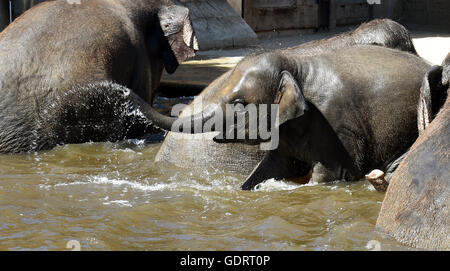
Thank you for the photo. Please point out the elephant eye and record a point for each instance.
(239, 101)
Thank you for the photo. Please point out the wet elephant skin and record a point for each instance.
(343, 113)
(415, 210)
(199, 150)
(57, 47)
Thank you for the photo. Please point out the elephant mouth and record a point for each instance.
(220, 140)
(229, 135)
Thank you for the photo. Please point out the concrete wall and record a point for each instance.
(352, 13)
(217, 25)
(236, 5)
(431, 12)
(416, 12)
(387, 9)
(268, 15)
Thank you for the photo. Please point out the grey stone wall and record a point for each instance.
(269, 15)
(352, 13)
(217, 25)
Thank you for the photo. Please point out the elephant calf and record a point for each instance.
(198, 150)
(58, 48)
(416, 208)
(341, 114)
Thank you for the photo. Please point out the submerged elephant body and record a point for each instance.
(199, 150)
(416, 208)
(59, 45)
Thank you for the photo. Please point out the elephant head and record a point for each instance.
(169, 39)
(325, 107)
(172, 36)
(262, 84)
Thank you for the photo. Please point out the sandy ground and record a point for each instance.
(208, 65)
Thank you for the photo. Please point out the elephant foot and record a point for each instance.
(376, 178)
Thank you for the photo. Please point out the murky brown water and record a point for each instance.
(112, 196)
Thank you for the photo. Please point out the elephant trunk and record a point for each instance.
(173, 124)
(189, 123)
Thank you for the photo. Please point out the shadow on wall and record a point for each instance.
(20, 6)
(4, 14)
(192, 77)
(425, 14)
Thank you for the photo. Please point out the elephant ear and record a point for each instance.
(292, 103)
(432, 97)
(180, 40)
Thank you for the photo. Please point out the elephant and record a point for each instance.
(381, 32)
(341, 114)
(433, 95)
(64, 46)
(100, 111)
(198, 150)
(416, 207)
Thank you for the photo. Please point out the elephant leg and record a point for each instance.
(322, 174)
(275, 165)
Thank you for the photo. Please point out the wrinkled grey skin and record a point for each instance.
(56, 48)
(200, 151)
(341, 114)
(416, 208)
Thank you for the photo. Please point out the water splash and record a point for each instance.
(271, 185)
